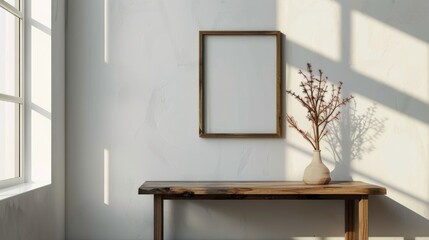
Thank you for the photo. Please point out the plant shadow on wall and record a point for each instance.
(353, 136)
(369, 35)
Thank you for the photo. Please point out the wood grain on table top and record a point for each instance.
(258, 188)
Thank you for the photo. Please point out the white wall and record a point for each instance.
(132, 92)
(40, 213)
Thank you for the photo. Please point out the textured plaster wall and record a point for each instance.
(132, 95)
(40, 213)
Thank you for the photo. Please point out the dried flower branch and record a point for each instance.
(320, 110)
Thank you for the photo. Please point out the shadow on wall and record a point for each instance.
(388, 218)
(357, 137)
(255, 219)
(20, 216)
(160, 142)
(353, 136)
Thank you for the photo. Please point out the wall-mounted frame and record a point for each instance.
(240, 75)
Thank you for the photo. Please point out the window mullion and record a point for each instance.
(17, 58)
(11, 9)
(18, 141)
(18, 96)
(8, 98)
(21, 44)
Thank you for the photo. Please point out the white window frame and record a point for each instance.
(18, 12)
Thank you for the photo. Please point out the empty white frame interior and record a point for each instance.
(240, 84)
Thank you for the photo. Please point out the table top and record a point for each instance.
(258, 188)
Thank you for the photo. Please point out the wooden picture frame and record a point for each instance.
(240, 84)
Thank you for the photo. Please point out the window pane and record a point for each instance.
(9, 145)
(13, 3)
(9, 50)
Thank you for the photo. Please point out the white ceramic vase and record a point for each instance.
(316, 172)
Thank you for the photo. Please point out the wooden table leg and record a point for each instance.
(349, 223)
(363, 217)
(158, 202)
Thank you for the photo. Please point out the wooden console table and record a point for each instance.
(350, 192)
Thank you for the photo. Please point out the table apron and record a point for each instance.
(260, 197)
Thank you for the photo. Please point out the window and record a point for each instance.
(11, 92)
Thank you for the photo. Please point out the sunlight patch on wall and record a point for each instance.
(389, 238)
(298, 156)
(421, 238)
(396, 147)
(293, 79)
(316, 26)
(389, 55)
